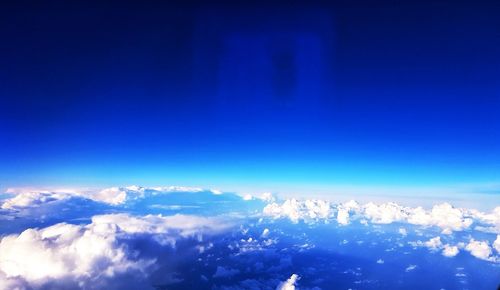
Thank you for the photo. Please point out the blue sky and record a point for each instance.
(252, 96)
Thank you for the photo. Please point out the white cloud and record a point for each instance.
(444, 215)
(289, 284)
(411, 268)
(32, 199)
(450, 251)
(343, 216)
(113, 196)
(344, 211)
(89, 253)
(434, 243)
(479, 249)
(385, 213)
(496, 244)
(380, 261)
(308, 210)
(266, 197)
(491, 220)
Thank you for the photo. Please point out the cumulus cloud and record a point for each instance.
(113, 196)
(289, 284)
(92, 253)
(444, 216)
(450, 251)
(496, 244)
(295, 210)
(479, 249)
(434, 243)
(32, 199)
(343, 217)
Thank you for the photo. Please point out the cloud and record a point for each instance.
(289, 284)
(490, 220)
(83, 255)
(496, 244)
(32, 199)
(24, 198)
(444, 216)
(383, 214)
(411, 268)
(450, 251)
(434, 243)
(479, 249)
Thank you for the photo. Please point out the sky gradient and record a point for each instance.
(254, 96)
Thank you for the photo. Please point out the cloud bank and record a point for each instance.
(112, 196)
(86, 256)
(441, 216)
(444, 216)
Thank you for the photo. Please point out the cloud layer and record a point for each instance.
(83, 254)
(442, 216)
(116, 238)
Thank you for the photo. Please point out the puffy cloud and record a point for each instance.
(343, 216)
(479, 249)
(496, 244)
(490, 220)
(434, 243)
(92, 253)
(344, 211)
(450, 251)
(411, 268)
(385, 213)
(289, 284)
(266, 197)
(444, 215)
(113, 196)
(32, 199)
(308, 210)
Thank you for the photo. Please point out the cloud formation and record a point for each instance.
(480, 249)
(24, 198)
(444, 216)
(92, 253)
(289, 284)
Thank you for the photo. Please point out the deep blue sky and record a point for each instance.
(382, 93)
